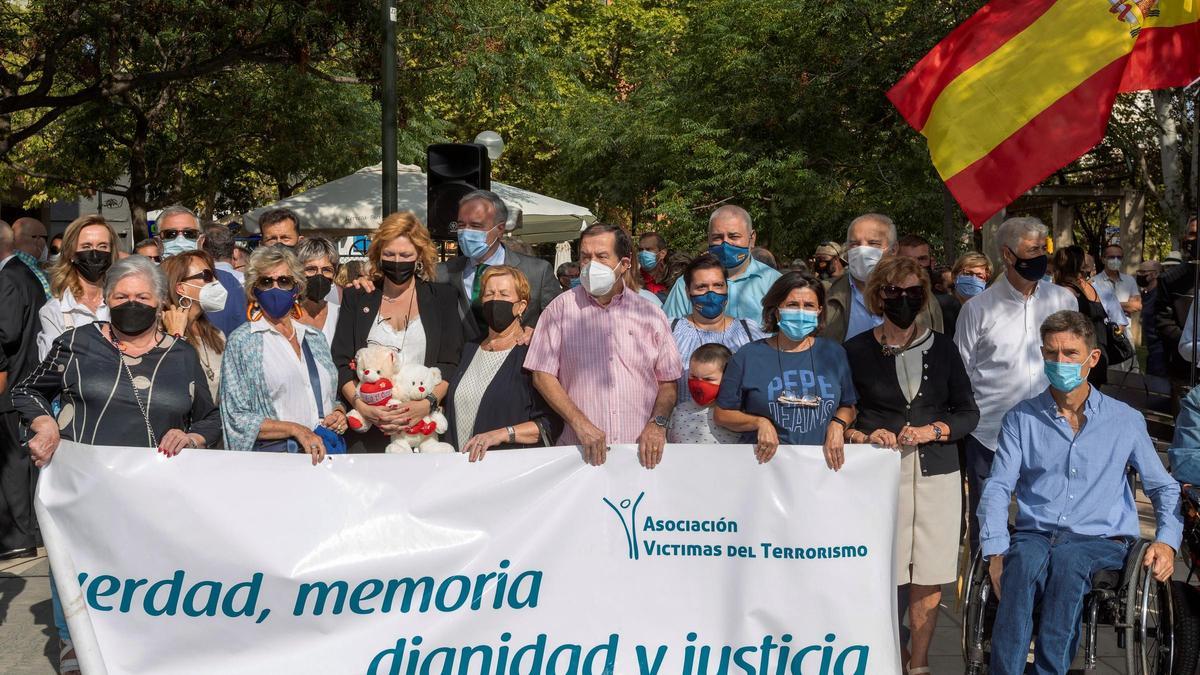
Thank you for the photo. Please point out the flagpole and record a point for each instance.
(1196, 244)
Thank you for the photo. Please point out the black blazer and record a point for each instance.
(21, 296)
(509, 400)
(437, 305)
(945, 396)
(543, 287)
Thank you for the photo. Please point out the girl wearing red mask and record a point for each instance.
(692, 420)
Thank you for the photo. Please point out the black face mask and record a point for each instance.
(398, 272)
(498, 314)
(317, 287)
(1030, 269)
(92, 264)
(133, 317)
(1143, 281)
(1189, 248)
(902, 311)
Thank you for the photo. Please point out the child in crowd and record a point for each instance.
(692, 420)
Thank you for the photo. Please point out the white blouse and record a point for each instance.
(286, 375)
(408, 344)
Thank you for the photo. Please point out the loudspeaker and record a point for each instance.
(454, 169)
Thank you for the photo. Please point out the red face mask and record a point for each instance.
(702, 392)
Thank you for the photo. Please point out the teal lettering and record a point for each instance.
(210, 605)
(171, 602)
(94, 593)
(322, 591)
(365, 591)
(646, 668)
(251, 589)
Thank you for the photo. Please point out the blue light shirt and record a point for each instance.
(861, 319)
(746, 293)
(1075, 482)
(468, 274)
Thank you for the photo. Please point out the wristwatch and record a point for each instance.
(937, 433)
(433, 402)
(661, 421)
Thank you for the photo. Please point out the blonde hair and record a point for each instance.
(266, 257)
(518, 277)
(972, 259)
(64, 275)
(890, 272)
(404, 224)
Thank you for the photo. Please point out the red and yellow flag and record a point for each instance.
(1025, 87)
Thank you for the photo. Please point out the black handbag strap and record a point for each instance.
(314, 378)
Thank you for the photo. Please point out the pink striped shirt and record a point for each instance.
(609, 360)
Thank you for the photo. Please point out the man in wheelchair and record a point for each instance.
(1063, 455)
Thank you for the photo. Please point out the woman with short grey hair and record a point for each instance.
(322, 298)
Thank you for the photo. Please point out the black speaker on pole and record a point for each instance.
(454, 169)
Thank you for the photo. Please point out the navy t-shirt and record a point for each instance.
(758, 373)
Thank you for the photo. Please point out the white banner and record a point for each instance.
(527, 563)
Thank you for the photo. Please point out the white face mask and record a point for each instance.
(212, 296)
(1113, 264)
(862, 261)
(597, 278)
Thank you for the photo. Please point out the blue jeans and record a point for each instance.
(60, 618)
(1053, 572)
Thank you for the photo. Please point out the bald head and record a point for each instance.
(6, 239)
(29, 235)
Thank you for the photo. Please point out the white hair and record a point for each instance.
(879, 218)
(137, 266)
(499, 208)
(731, 211)
(178, 210)
(1013, 230)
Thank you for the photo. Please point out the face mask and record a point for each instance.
(1189, 248)
(398, 272)
(212, 297)
(648, 260)
(1143, 281)
(702, 391)
(731, 256)
(710, 304)
(318, 287)
(1030, 269)
(498, 314)
(1064, 377)
(180, 244)
(597, 278)
(575, 281)
(275, 302)
(969, 286)
(901, 311)
(473, 243)
(133, 317)
(43, 254)
(92, 264)
(862, 261)
(1113, 264)
(797, 324)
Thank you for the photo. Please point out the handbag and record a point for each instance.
(1119, 349)
(334, 443)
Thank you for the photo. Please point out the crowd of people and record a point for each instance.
(967, 371)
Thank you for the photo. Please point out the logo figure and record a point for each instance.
(1134, 12)
(630, 525)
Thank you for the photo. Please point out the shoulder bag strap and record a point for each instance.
(314, 378)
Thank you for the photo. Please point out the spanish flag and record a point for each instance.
(1024, 87)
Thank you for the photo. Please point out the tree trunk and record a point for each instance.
(138, 177)
(1172, 202)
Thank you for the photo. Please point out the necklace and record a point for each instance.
(502, 338)
(896, 350)
(205, 361)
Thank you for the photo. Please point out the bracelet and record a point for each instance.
(840, 421)
(512, 434)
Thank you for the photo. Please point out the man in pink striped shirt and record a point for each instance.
(603, 357)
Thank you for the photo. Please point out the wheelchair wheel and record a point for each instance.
(975, 624)
(1186, 601)
(1149, 619)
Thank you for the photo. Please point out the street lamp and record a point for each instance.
(493, 142)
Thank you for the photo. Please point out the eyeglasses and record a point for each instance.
(285, 282)
(168, 235)
(911, 292)
(156, 259)
(205, 275)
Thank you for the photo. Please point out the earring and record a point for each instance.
(296, 311)
(419, 267)
(253, 312)
(183, 306)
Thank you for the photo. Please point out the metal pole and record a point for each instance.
(390, 205)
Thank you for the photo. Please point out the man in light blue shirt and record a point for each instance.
(730, 238)
(1063, 455)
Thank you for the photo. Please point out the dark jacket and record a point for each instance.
(234, 313)
(1170, 314)
(945, 396)
(437, 305)
(509, 400)
(836, 317)
(543, 287)
(21, 297)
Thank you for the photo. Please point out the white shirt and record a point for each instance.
(287, 379)
(496, 258)
(6, 259)
(692, 424)
(651, 297)
(1112, 306)
(59, 315)
(998, 335)
(1113, 293)
(229, 268)
(408, 344)
(331, 317)
(1185, 340)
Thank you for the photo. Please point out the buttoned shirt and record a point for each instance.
(468, 275)
(746, 293)
(998, 335)
(59, 315)
(228, 267)
(1124, 286)
(861, 318)
(1075, 482)
(609, 359)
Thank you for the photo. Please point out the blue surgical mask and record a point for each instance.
(180, 244)
(275, 302)
(798, 324)
(575, 281)
(710, 304)
(730, 256)
(1064, 376)
(473, 243)
(648, 259)
(968, 286)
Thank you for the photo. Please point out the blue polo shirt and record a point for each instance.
(745, 294)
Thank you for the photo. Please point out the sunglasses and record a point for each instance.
(911, 293)
(168, 235)
(205, 275)
(284, 282)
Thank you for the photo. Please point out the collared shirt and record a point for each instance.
(746, 293)
(32, 263)
(610, 360)
(468, 278)
(1076, 483)
(228, 267)
(1111, 297)
(998, 335)
(4, 260)
(1185, 339)
(861, 319)
(286, 375)
(59, 315)
(1124, 286)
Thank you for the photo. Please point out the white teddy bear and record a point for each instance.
(414, 382)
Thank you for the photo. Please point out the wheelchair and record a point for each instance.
(1130, 601)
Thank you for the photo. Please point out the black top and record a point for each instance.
(945, 396)
(1094, 310)
(509, 400)
(21, 296)
(950, 309)
(99, 406)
